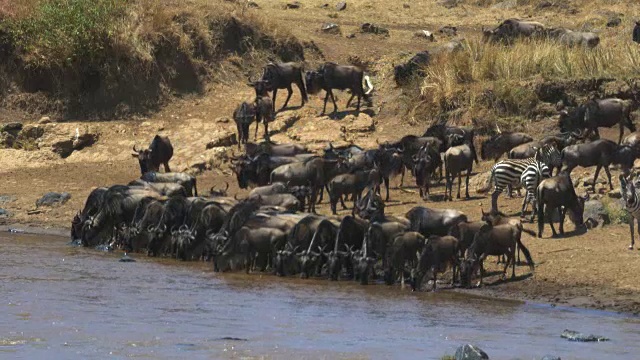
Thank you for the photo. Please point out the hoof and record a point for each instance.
(631, 247)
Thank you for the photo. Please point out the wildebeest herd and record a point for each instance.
(276, 227)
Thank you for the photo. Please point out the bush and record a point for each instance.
(62, 31)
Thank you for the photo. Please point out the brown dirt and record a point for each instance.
(592, 270)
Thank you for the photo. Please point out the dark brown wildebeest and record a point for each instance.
(636, 32)
(597, 113)
(434, 221)
(496, 241)
(458, 159)
(408, 146)
(243, 116)
(424, 165)
(438, 253)
(187, 181)
(281, 76)
(497, 145)
(498, 218)
(263, 107)
(352, 183)
(160, 151)
(414, 66)
(465, 232)
(340, 77)
(558, 193)
(271, 148)
(511, 29)
(600, 153)
(402, 249)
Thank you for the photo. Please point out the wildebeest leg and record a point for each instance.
(550, 216)
(467, 183)
(606, 170)
(273, 101)
(335, 105)
(595, 177)
(525, 203)
(446, 186)
(266, 130)
(621, 132)
(459, 183)
(402, 169)
(386, 185)
(563, 213)
(255, 136)
(358, 107)
(631, 231)
(433, 269)
(350, 99)
(286, 102)
(326, 98)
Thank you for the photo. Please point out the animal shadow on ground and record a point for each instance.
(508, 279)
(581, 230)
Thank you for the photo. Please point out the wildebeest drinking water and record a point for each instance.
(160, 151)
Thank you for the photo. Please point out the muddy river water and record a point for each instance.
(62, 302)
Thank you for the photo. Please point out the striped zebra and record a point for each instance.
(631, 199)
(530, 179)
(507, 173)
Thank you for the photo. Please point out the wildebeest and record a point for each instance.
(410, 145)
(511, 29)
(281, 76)
(341, 77)
(187, 181)
(636, 32)
(402, 249)
(497, 145)
(600, 153)
(458, 159)
(434, 221)
(574, 38)
(92, 205)
(425, 163)
(353, 184)
(243, 116)
(264, 114)
(285, 201)
(597, 113)
(167, 189)
(436, 256)
(496, 241)
(272, 189)
(414, 66)
(558, 193)
(160, 151)
(271, 148)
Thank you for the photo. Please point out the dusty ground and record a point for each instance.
(593, 270)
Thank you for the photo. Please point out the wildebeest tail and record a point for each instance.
(540, 197)
(303, 88)
(527, 254)
(530, 232)
(628, 108)
(487, 184)
(368, 84)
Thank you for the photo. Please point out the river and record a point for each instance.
(63, 302)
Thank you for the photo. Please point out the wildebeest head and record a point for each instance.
(576, 212)
(308, 261)
(468, 267)
(245, 171)
(262, 87)
(144, 158)
(315, 81)
(286, 261)
(76, 227)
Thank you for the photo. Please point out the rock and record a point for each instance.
(505, 5)
(478, 182)
(449, 4)
(595, 214)
(550, 357)
(13, 128)
(614, 21)
(293, 5)
(65, 146)
(373, 29)
(324, 6)
(406, 6)
(224, 120)
(351, 36)
(84, 140)
(253, 4)
(224, 140)
(5, 199)
(7, 140)
(44, 120)
(470, 352)
(577, 336)
(331, 28)
(544, 4)
(615, 194)
(4, 213)
(363, 123)
(31, 132)
(126, 258)
(448, 30)
(53, 199)
(341, 5)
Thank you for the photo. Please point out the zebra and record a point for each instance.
(631, 199)
(530, 179)
(507, 173)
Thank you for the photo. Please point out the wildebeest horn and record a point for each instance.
(134, 148)
(164, 227)
(150, 228)
(498, 129)
(235, 196)
(212, 189)
(226, 188)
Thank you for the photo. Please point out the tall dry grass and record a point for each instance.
(493, 78)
